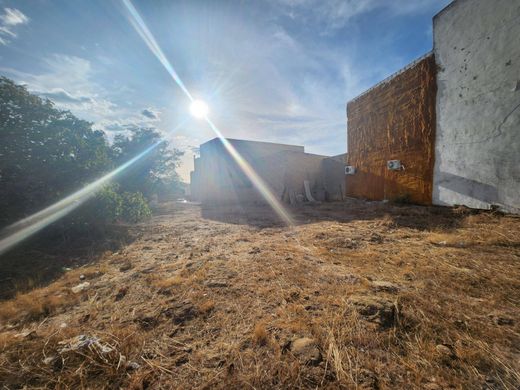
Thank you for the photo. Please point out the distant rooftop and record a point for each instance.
(237, 141)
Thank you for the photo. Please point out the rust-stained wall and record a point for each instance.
(394, 121)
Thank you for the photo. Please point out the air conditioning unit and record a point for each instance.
(349, 170)
(394, 165)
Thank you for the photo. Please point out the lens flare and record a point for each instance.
(199, 109)
(141, 28)
(28, 226)
(143, 31)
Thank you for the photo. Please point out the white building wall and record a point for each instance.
(477, 156)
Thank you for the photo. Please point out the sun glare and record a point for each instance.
(199, 109)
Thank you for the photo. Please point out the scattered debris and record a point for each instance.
(323, 314)
(80, 287)
(81, 342)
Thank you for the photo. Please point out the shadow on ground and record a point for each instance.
(45, 257)
(410, 216)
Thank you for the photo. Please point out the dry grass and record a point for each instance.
(35, 305)
(393, 297)
(260, 336)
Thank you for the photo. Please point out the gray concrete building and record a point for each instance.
(218, 178)
(477, 144)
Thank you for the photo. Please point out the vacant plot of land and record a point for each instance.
(356, 295)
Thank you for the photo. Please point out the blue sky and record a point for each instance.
(273, 70)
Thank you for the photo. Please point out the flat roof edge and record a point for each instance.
(231, 140)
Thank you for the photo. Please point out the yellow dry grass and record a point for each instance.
(393, 297)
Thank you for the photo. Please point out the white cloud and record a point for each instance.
(8, 20)
(12, 17)
(70, 82)
(150, 113)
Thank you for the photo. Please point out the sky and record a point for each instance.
(273, 70)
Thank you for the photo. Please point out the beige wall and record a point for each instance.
(283, 168)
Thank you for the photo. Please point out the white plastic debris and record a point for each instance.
(83, 341)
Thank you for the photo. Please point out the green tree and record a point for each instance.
(45, 153)
(156, 171)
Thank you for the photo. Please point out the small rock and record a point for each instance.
(132, 366)
(82, 277)
(373, 309)
(383, 286)
(377, 238)
(445, 350)
(125, 267)
(121, 293)
(306, 350)
(80, 287)
(148, 270)
(501, 319)
(505, 321)
(216, 283)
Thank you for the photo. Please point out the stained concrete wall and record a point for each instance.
(333, 177)
(477, 153)
(219, 179)
(285, 173)
(394, 120)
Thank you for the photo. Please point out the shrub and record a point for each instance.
(108, 204)
(135, 207)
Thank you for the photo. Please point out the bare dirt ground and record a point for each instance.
(356, 295)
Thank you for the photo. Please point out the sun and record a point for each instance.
(199, 109)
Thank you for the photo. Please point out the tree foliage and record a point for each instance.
(156, 169)
(47, 153)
